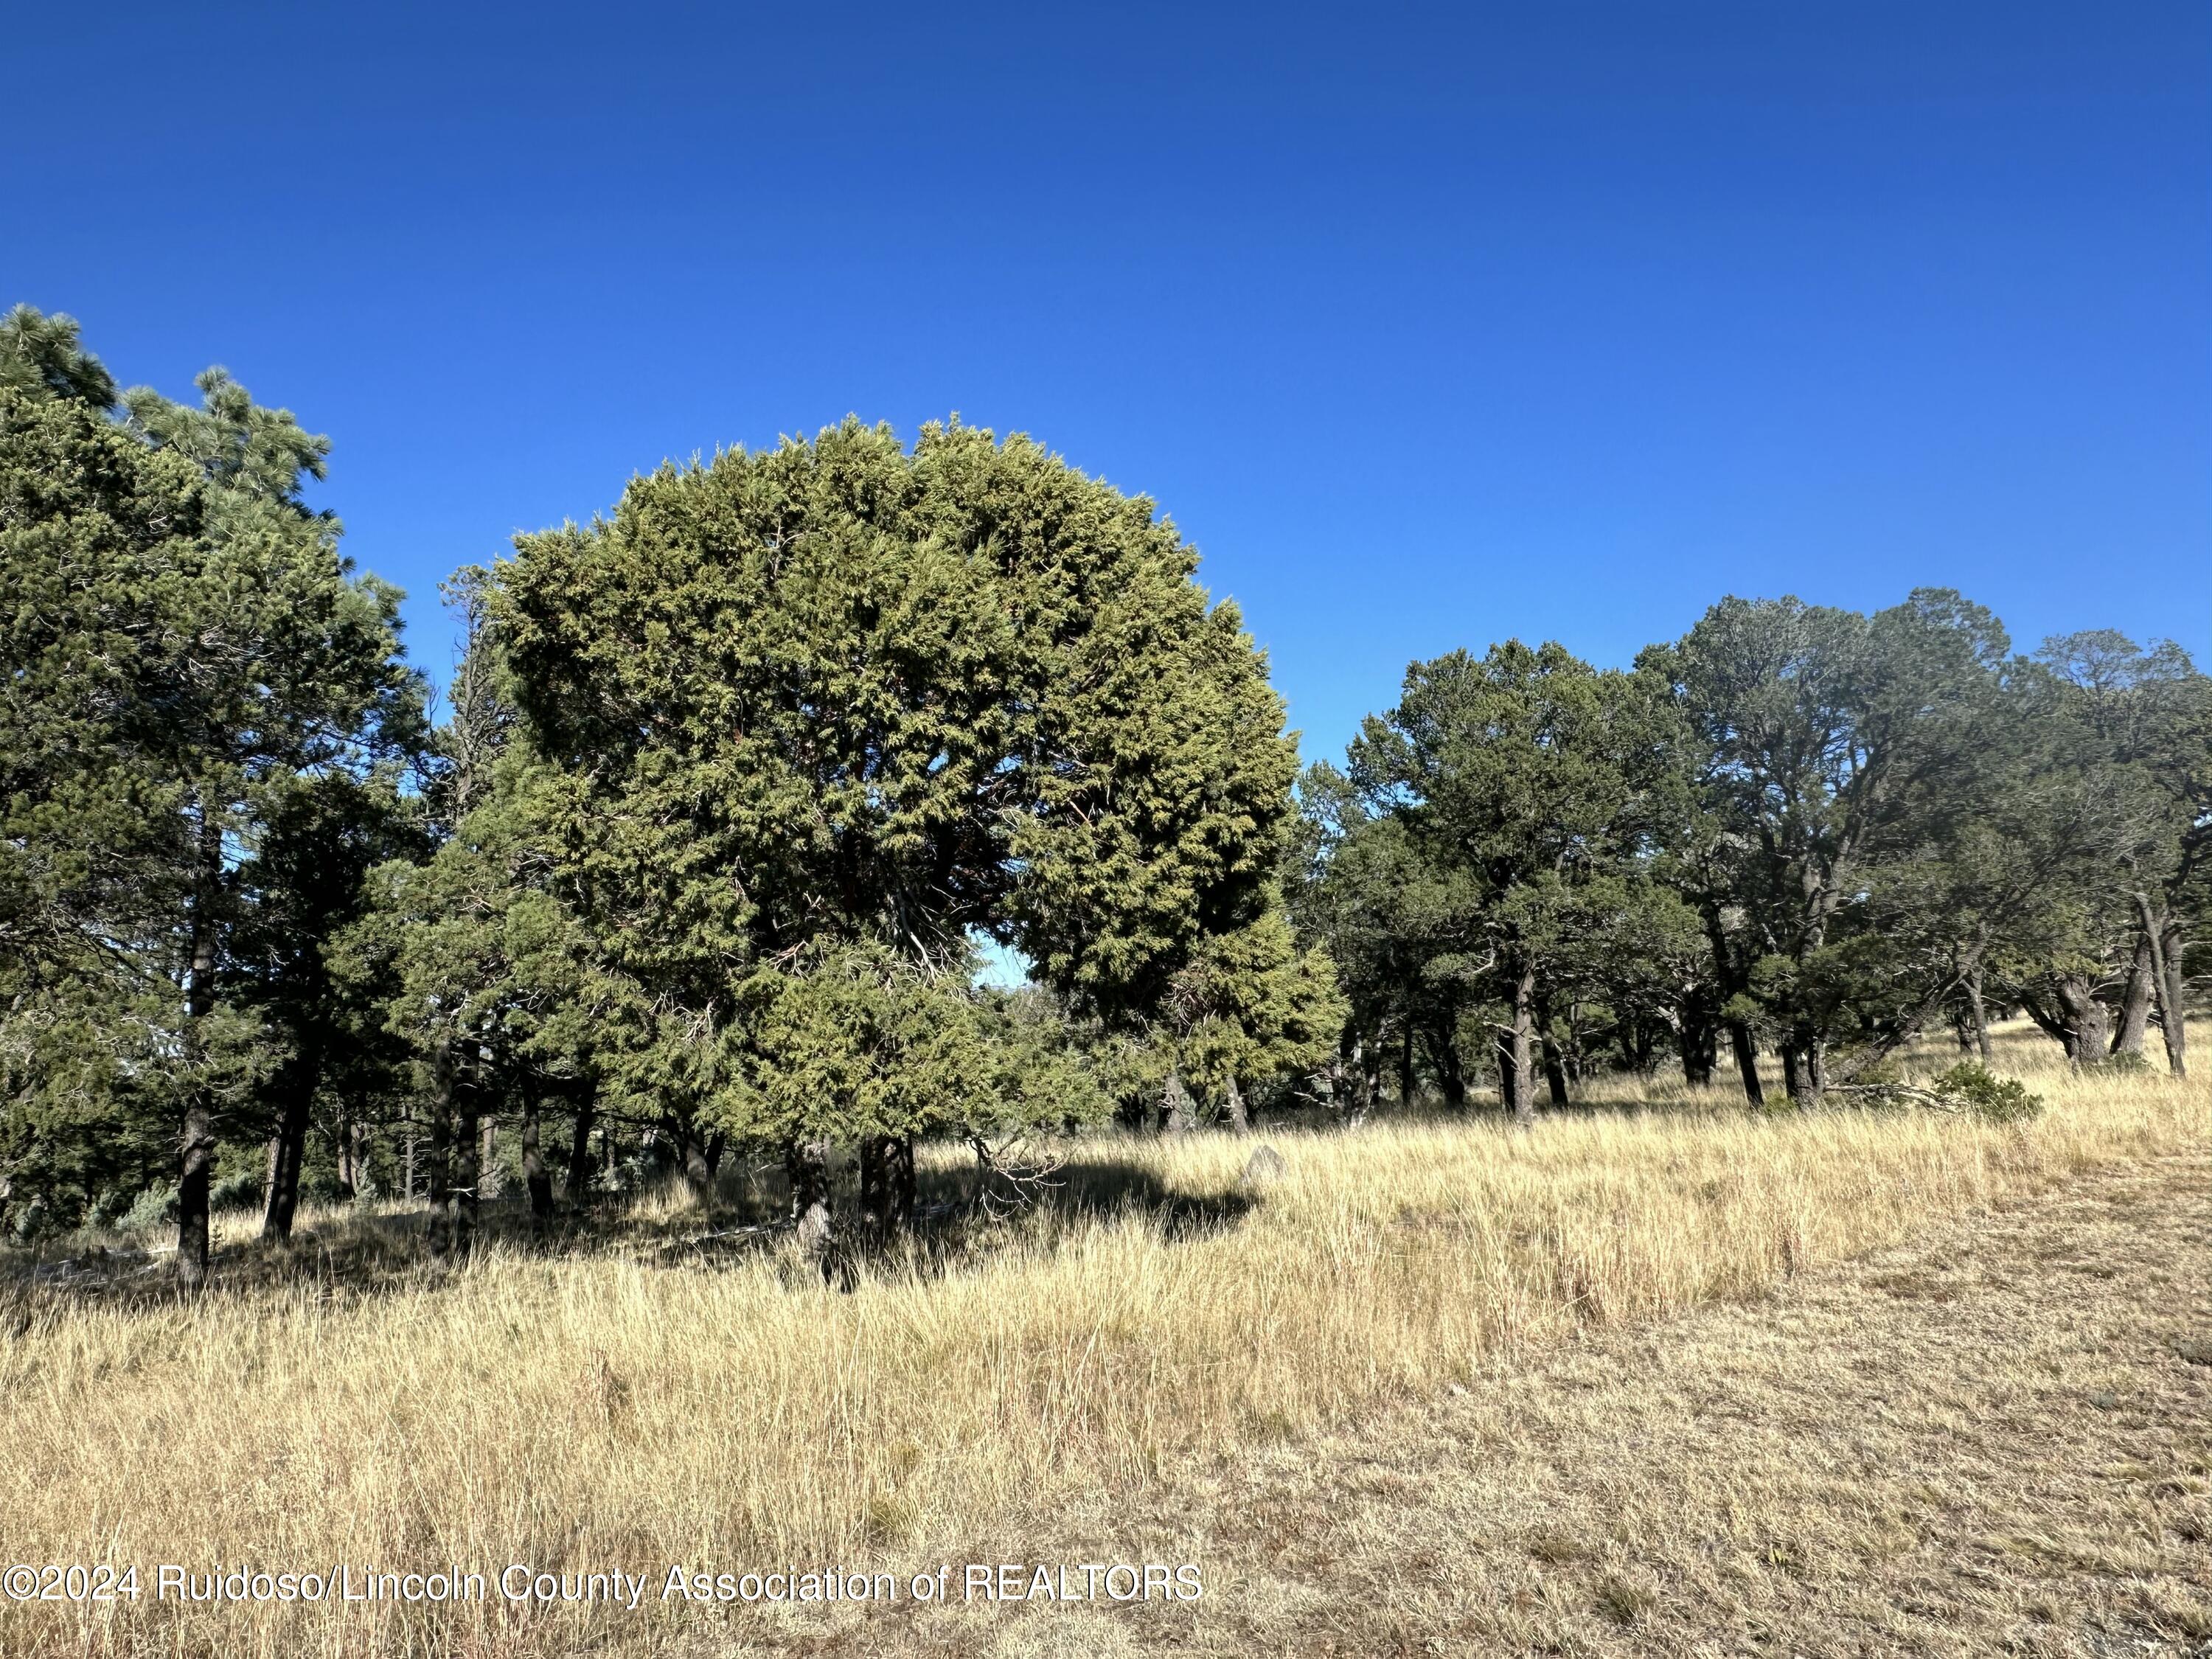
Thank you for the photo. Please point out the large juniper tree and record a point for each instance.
(817, 717)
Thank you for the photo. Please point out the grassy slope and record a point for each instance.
(587, 1410)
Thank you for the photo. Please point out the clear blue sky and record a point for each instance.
(1428, 327)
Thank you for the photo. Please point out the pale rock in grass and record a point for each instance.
(1263, 1169)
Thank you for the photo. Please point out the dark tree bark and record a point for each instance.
(580, 1095)
(1450, 1069)
(1804, 1064)
(288, 1147)
(441, 1153)
(691, 1158)
(806, 1163)
(535, 1178)
(1239, 1120)
(1746, 1049)
(1406, 1063)
(1698, 1037)
(465, 1188)
(886, 1187)
(1555, 1071)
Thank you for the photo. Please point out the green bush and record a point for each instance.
(1992, 1098)
(243, 1191)
(155, 1207)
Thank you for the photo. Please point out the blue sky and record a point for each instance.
(1428, 327)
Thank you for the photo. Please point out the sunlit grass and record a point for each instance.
(591, 1408)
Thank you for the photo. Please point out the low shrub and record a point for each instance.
(1992, 1098)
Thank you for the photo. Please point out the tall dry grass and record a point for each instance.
(584, 1412)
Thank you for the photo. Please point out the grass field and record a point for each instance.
(626, 1405)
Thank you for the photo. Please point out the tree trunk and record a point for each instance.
(407, 1164)
(1699, 1041)
(1746, 1049)
(691, 1158)
(1804, 1063)
(466, 1183)
(491, 1180)
(347, 1158)
(441, 1153)
(1978, 1014)
(1450, 1072)
(1176, 1116)
(806, 1163)
(1406, 1063)
(1238, 1119)
(1555, 1072)
(2136, 994)
(288, 1147)
(580, 1141)
(535, 1176)
(1522, 1086)
(2161, 946)
(196, 1134)
(2083, 1023)
(886, 1187)
(2172, 1010)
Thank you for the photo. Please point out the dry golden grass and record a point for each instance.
(585, 1411)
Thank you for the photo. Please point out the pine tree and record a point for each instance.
(100, 547)
(286, 667)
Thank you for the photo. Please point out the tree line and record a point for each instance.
(1797, 831)
(730, 790)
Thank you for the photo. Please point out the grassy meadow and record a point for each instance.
(651, 1396)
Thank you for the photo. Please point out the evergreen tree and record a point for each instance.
(813, 717)
(99, 546)
(285, 667)
(1538, 783)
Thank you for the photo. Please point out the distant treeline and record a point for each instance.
(730, 790)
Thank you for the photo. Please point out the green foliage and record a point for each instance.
(185, 646)
(1987, 1096)
(808, 715)
(735, 778)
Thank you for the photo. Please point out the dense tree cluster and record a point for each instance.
(1796, 831)
(735, 789)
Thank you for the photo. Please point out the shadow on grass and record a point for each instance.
(961, 1221)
